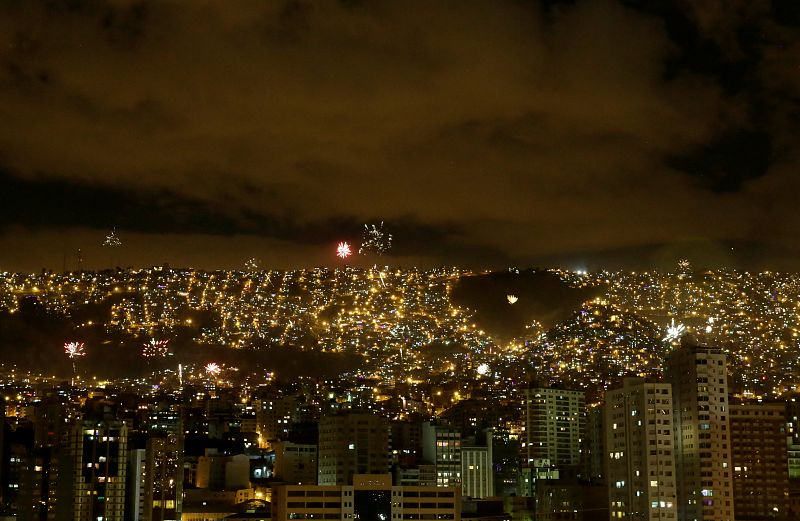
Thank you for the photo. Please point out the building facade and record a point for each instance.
(640, 454)
(295, 462)
(370, 497)
(98, 455)
(699, 379)
(441, 447)
(554, 425)
(758, 457)
(352, 443)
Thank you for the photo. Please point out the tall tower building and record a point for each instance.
(477, 472)
(594, 452)
(273, 418)
(352, 443)
(441, 447)
(702, 432)
(760, 466)
(793, 436)
(554, 424)
(164, 476)
(640, 455)
(98, 455)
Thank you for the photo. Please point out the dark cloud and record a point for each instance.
(483, 132)
(729, 160)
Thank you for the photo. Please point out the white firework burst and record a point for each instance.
(74, 349)
(674, 332)
(213, 369)
(343, 250)
(251, 265)
(155, 348)
(376, 239)
(512, 299)
(684, 264)
(111, 240)
(483, 369)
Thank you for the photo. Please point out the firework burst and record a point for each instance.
(155, 348)
(112, 241)
(512, 299)
(376, 239)
(213, 369)
(343, 250)
(74, 350)
(674, 332)
(252, 265)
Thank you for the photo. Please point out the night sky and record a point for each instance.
(488, 134)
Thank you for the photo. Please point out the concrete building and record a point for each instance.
(370, 497)
(793, 436)
(273, 418)
(441, 447)
(640, 455)
(352, 443)
(295, 463)
(477, 472)
(554, 425)
(593, 451)
(98, 457)
(219, 472)
(406, 442)
(699, 379)
(136, 485)
(164, 477)
(758, 457)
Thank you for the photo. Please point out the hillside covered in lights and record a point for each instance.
(584, 329)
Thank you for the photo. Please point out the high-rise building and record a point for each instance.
(17, 453)
(477, 472)
(640, 458)
(699, 379)
(406, 441)
(352, 443)
(97, 452)
(593, 450)
(758, 457)
(155, 468)
(164, 476)
(554, 424)
(40, 481)
(793, 436)
(273, 418)
(441, 447)
(295, 462)
(370, 497)
(136, 485)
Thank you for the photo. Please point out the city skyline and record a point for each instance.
(597, 134)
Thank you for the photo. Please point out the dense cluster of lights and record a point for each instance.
(404, 324)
